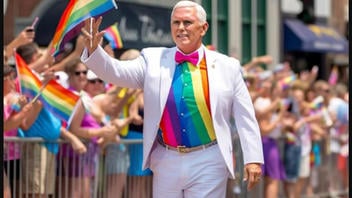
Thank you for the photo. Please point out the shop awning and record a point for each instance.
(312, 38)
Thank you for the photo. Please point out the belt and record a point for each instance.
(184, 149)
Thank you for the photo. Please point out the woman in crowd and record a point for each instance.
(270, 128)
(81, 169)
(95, 85)
(12, 121)
(109, 107)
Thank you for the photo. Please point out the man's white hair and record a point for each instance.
(202, 15)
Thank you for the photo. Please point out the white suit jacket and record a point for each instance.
(153, 72)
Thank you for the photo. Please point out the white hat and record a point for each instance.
(279, 67)
(265, 74)
(62, 78)
(91, 75)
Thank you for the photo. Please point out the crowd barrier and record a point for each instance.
(320, 179)
(69, 174)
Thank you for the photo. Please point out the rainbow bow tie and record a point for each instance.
(192, 58)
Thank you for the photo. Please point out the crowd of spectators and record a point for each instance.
(304, 127)
(101, 118)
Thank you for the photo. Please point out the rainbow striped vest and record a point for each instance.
(186, 120)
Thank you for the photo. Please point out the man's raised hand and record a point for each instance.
(92, 36)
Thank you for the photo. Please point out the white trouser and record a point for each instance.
(197, 174)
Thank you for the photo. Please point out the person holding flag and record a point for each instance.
(12, 120)
(112, 34)
(73, 17)
(39, 160)
(85, 125)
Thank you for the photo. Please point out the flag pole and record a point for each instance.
(34, 22)
(91, 31)
(40, 91)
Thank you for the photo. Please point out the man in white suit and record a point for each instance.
(191, 94)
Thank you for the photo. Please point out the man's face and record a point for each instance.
(186, 29)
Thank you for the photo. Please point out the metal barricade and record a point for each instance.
(114, 180)
(32, 168)
(319, 177)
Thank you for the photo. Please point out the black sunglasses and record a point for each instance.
(77, 73)
(95, 81)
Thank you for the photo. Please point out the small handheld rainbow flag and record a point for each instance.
(29, 83)
(333, 76)
(112, 34)
(14, 102)
(287, 81)
(317, 103)
(72, 19)
(57, 99)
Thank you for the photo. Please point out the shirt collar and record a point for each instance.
(200, 53)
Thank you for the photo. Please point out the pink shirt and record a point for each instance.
(11, 149)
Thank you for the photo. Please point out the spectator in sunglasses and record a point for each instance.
(77, 75)
(84, 125)
(95, 86)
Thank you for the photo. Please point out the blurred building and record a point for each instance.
(315, 33)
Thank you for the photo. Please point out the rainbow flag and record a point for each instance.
(112, 34)
(286, 82)
(55, 98)
(73, 17)
(317, 103)
(333, 76)
(14, 101)
(29, 83)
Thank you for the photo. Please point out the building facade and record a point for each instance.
(315, 33)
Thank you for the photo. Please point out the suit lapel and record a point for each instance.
(167, 70)
(211, 69)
